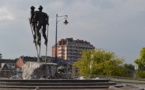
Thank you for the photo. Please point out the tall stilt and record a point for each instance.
(39, 45)
(47, 43)
(38, 52)
(38, 57)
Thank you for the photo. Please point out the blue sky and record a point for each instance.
(113, 25)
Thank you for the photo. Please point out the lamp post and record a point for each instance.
(91, 62)
(136, 68)
(65, 22)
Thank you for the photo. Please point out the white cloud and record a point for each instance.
(56, 5)
(5, 14)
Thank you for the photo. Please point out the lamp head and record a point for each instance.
(65, 22)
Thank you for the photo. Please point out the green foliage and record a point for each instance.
(104, 63)
(130, 69)
(0, 56)
(141, 64)
(140, 74)
(141, 61)
(129, 66)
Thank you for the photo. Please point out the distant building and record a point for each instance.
(61, 62)
(11, 67)
(69, 49)
(7, 71)
(23, 59)
(9, 62)
(7, 67)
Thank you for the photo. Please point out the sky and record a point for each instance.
(113, 25)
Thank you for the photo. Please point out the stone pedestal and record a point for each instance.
(35, 70)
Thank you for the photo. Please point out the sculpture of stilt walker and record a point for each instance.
(39, 20)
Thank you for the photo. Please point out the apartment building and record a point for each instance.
(69, 49)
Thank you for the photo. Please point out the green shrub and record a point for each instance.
(140, 74)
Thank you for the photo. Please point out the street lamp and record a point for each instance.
(65, 22)
(91, 62)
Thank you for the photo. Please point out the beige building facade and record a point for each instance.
(69, 49)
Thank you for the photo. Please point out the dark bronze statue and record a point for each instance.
(32, 22)
(39, 20)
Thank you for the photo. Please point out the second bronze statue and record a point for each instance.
(39, 20)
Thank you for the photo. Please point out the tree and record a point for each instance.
(141, 64)
(130, 69)
(141, 61)
(104, 63)
(0, 56)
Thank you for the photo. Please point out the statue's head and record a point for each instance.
(32, 7)
(40, 7)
